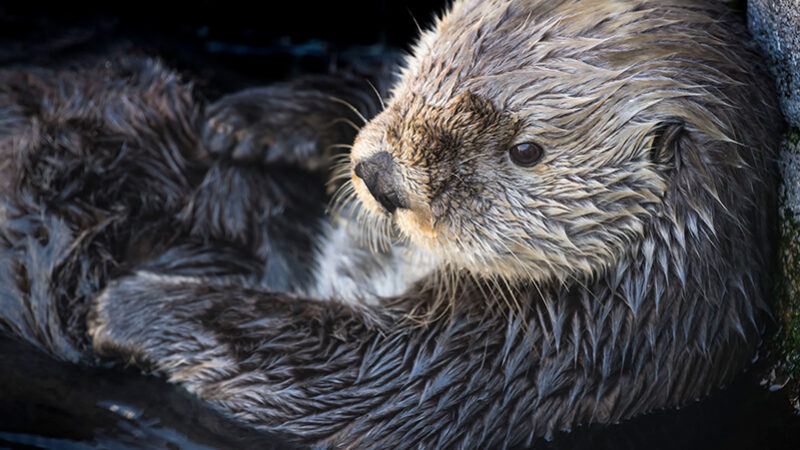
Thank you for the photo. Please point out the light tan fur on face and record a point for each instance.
(594, 83)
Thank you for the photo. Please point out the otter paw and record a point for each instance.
(130, 315)
(228, 134)
(263, 128)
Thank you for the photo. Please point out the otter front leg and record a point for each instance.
(329, 374)
(265, 359)
(299, 123)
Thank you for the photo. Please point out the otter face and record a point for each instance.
(454, 182)
(593, 88)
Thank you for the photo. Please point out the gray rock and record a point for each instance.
(789, 162)
(775, 24)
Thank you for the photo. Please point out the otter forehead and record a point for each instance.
(421, 133)
(515, 52)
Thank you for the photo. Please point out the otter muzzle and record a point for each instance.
(379, 173)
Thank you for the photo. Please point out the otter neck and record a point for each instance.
(348, 270)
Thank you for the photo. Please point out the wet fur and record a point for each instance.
(667, 306)
(104, 172)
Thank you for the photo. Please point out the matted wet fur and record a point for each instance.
(627, 271)
(104, 171)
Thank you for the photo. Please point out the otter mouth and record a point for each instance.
(381, 178)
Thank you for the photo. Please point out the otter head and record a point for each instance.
(536, 139)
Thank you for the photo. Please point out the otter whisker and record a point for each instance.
(344, 194)
(345, 121)
(351, 107)
(341, 174)
(514, 294)
(525, 267)
(377, 95)
(345, 146)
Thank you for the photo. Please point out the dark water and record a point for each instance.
(229, 45)
(743, 416)
(47, 404)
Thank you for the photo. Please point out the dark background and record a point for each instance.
(224, 46)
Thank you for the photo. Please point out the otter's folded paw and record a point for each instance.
(135, 317)
(115, 320)
(276, 125)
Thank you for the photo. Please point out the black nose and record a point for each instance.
(379, 174)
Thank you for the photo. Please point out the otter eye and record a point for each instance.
(526, 154)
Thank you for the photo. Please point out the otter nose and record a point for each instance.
(378, 173)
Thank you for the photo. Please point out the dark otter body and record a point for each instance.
(104, 172)
(667, 308)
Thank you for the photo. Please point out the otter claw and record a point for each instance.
(245, 149)
(225, 135)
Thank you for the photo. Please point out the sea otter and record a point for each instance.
(562, 216)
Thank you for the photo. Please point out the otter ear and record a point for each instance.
(665, 150)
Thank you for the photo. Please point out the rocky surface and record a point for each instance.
(786, 342)
(775, 25)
